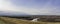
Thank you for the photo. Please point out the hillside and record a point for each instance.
(17, 21)
(7, 20)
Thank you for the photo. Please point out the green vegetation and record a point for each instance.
(1, 22)
(17, 21)
(6, 20)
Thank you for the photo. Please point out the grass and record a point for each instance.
(1, 22)
(19, 21)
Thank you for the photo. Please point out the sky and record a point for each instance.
(29, 7)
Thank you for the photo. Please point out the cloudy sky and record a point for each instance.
(29, 7)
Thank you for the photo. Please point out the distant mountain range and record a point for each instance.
(12, 13)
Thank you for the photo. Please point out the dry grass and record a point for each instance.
(17, 21)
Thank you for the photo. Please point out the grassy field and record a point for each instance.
(1, 22)
(6, 20)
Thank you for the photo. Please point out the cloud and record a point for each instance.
(6, 5)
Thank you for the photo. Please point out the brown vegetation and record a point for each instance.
(17, 21)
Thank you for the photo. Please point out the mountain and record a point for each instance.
(12, 13)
